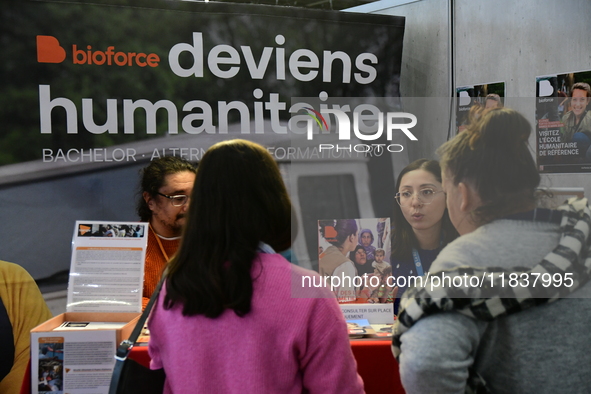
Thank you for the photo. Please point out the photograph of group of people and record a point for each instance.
(357, 248)
(110, 230)
(51, 360)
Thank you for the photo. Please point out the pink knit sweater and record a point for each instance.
(284, 345)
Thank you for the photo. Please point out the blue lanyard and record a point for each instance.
(417, 259)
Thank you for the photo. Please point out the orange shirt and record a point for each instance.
(155, 262)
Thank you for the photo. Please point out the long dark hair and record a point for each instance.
(492, 155)
(403, 237)
(238, 200)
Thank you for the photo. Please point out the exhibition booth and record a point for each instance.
(342, 100)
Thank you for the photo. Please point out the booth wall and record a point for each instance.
(493, 41)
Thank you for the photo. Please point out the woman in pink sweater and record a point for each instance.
(233, 316)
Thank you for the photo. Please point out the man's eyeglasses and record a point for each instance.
(176, 201)
(425, 196)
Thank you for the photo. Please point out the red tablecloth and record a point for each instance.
(375, 364)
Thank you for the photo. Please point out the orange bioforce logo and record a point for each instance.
(49, 50)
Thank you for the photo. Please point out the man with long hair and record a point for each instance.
(165, 189)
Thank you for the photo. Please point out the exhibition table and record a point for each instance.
(375, 364)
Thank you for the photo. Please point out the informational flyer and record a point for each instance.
(355, 255)
(73, 362)
(374, 313)
(107, 268)
(563, 122)
(474, 99)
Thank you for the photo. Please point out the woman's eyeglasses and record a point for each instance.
(425, 196)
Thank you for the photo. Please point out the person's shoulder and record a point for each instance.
(331, 250)
(346, 265)
(276, 259)
(457, 253)
(11, 271)
(309, 284)
(278, 265)
(304, 283)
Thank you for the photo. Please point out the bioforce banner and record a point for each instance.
(563, 122)
(83, 76)
(103, 88)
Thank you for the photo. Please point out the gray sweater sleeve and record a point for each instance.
(437, 352)
(512, 354)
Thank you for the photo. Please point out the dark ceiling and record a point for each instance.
(317, 4)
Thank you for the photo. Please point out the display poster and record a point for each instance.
(107, 268)
(77, 362)
(93, 91)
(563, 122)
(474, 99)
(355, 255)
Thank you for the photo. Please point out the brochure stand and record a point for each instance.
(74, 351)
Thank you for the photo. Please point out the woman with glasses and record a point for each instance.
(421, 223)
(233, 315)
(527, 336)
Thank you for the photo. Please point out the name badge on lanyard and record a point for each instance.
(417, 260)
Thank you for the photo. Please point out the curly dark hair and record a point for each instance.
(152, 179)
